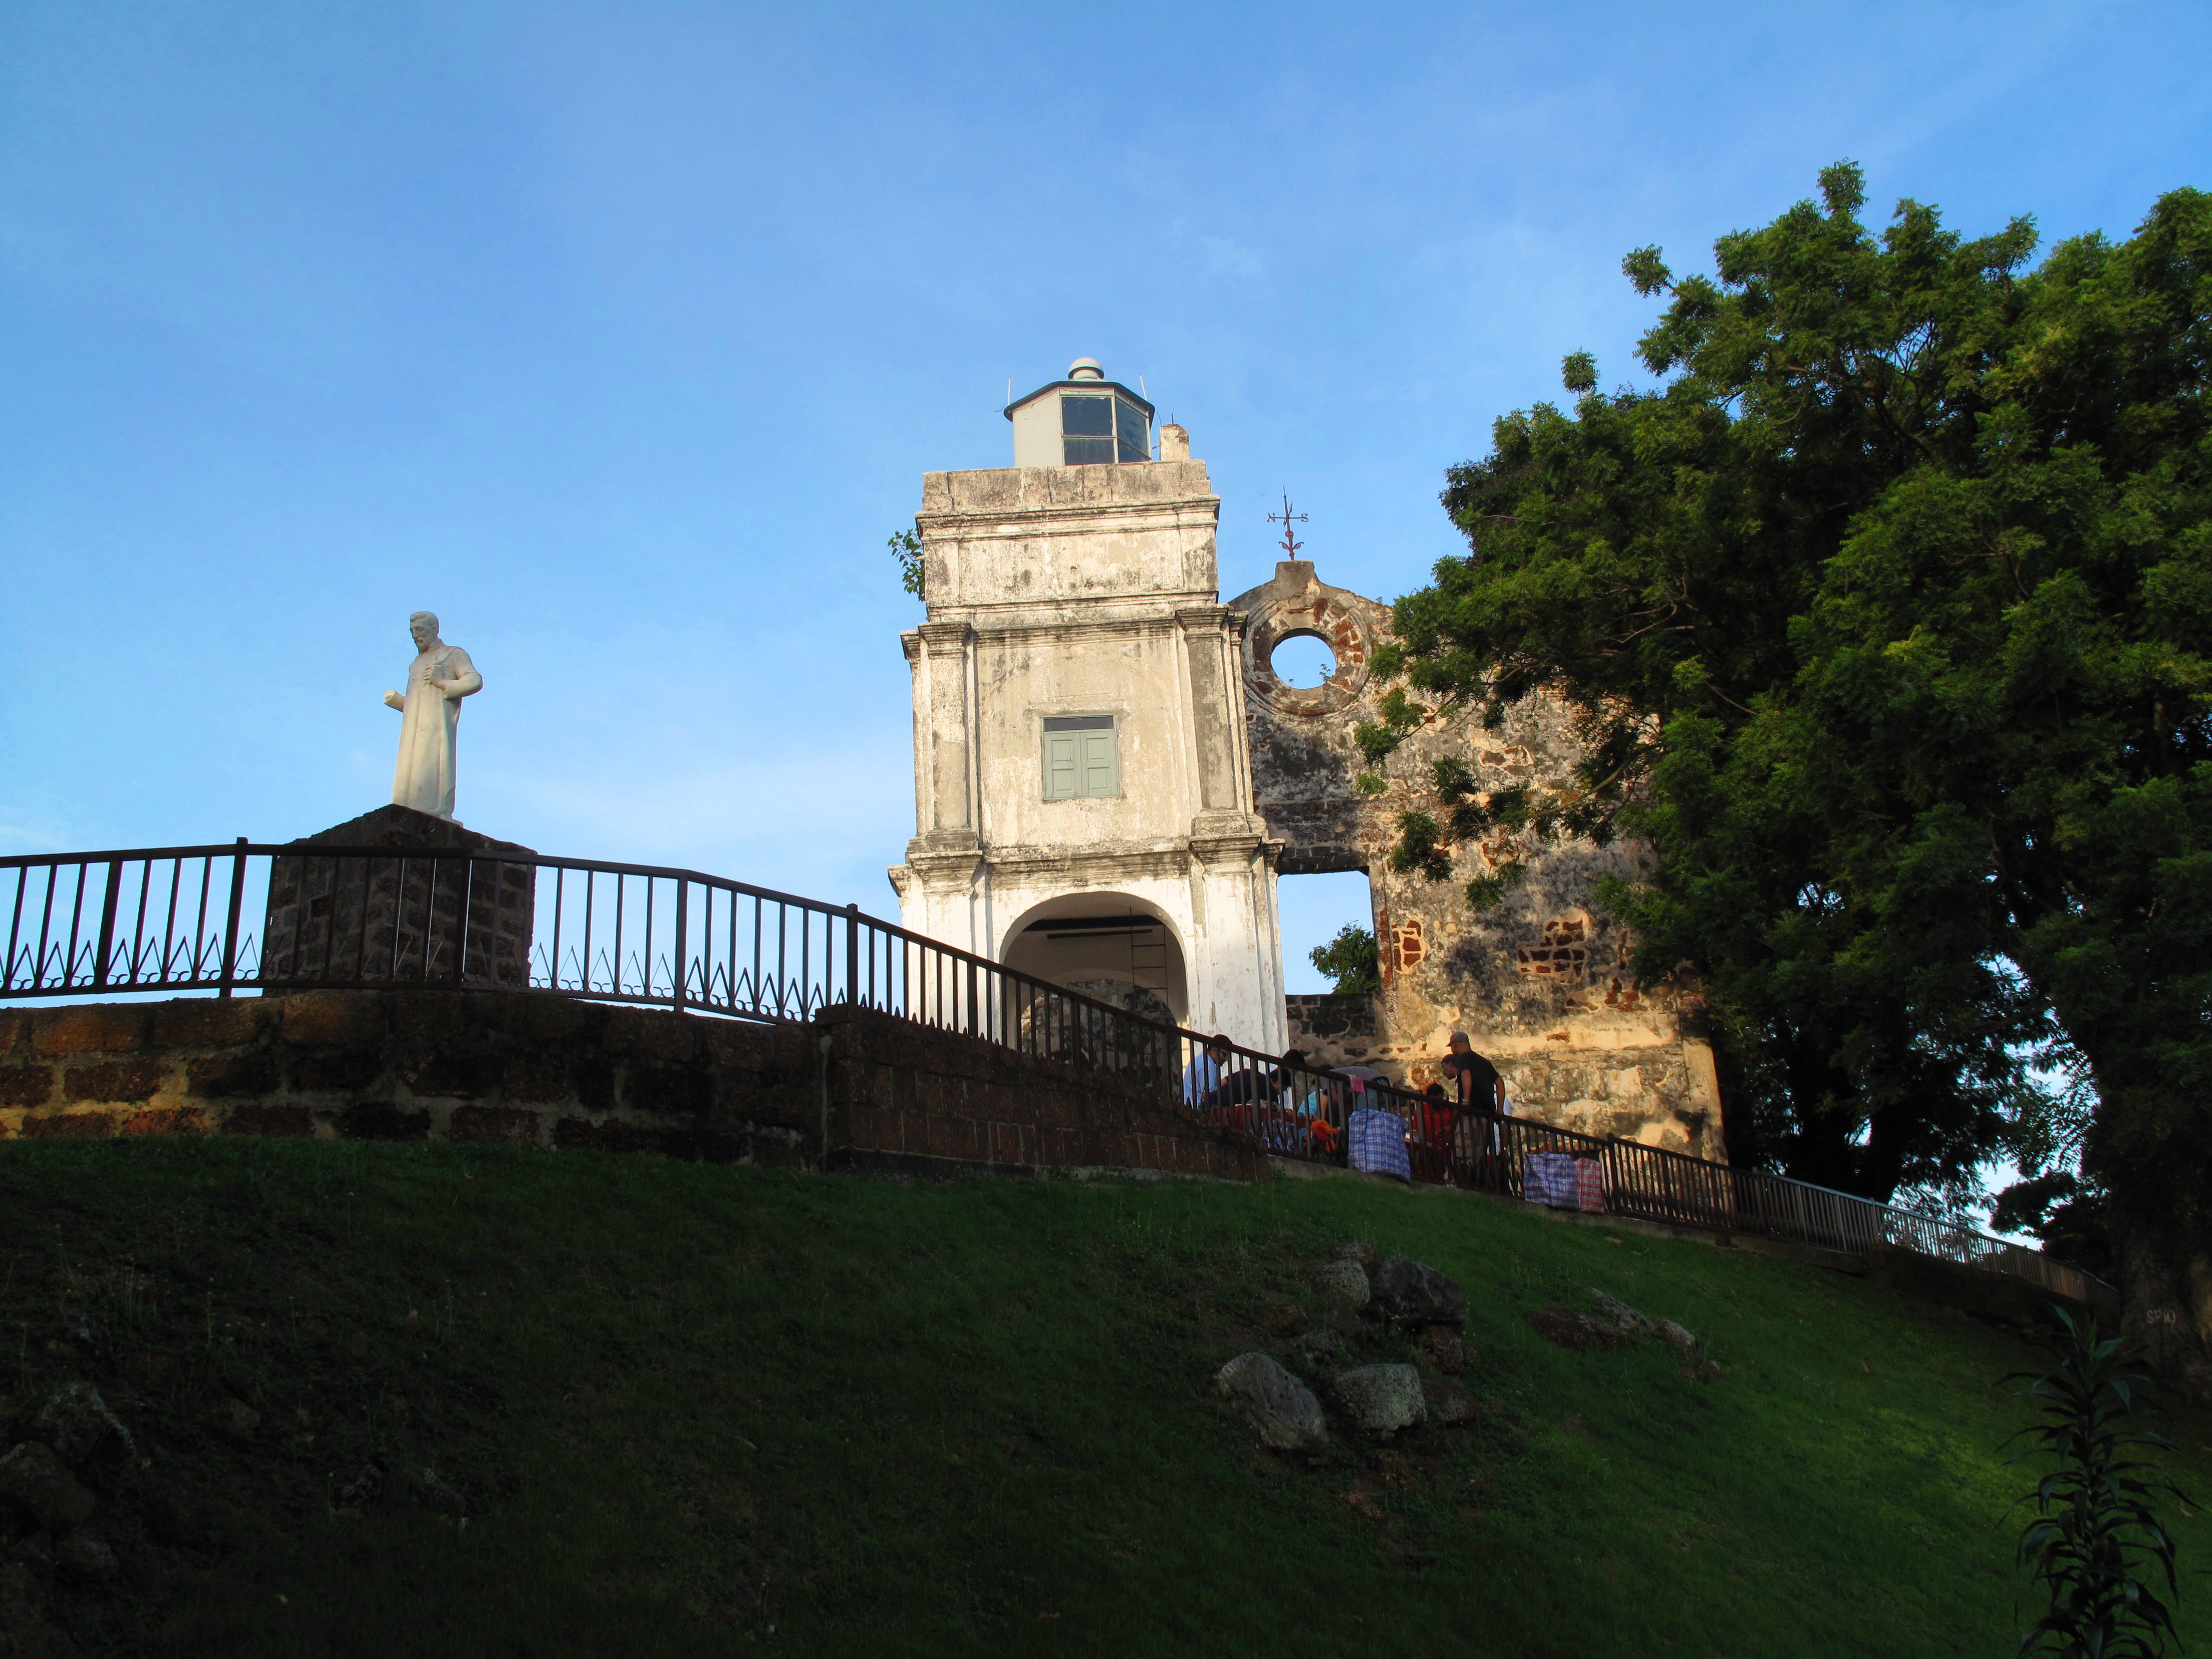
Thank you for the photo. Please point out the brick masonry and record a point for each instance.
(905, 1097)
(398, 918)
(853, 1089)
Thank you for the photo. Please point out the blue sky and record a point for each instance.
(621, 335)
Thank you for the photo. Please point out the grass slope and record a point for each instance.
(687, 1403)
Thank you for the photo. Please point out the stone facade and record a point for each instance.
(854, 1088)
(413, 916)
(1064, 594)
(1541, 984)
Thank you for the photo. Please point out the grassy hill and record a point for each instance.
(686, 1409)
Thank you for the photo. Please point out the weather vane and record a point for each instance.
(1287, 518)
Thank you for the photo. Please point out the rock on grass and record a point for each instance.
(33, 1478)
(1281, 1408)
(76, 1422)
(1345, 1282)
(1578, 1331)
(84, 1554)
(1447, 1401)
(1443, 1347)
(1625, 1319)
(1381, 1400)
(1409, 1292)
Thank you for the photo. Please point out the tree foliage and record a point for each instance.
(1351, 960)
(906, 548)
(1886, 616)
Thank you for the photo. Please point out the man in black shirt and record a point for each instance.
(1476, 1085)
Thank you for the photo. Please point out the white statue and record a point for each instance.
(437, 680)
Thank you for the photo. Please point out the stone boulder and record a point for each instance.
(76, 1422)
(1319, 1343)
(1625, 1318)
(1409, 1292)
(1675, 1334)
(1344, 1282)
(434, 1493)
(1281, 1408)
(85, 1554)
(1441, 1347)
(1578, 1331)
(32, 1479)
(1358, 1250)
(1447, 1401)
(1381, 1400)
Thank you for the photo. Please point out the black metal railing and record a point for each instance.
(243, 917)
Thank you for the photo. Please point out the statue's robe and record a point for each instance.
(428, 729)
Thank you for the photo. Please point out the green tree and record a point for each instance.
(1885, 617)
(1349, 960)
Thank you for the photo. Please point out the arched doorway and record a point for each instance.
(1110, 946)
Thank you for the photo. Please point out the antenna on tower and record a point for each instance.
(1287, 518)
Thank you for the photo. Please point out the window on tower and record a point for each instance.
(1098, 430)
(1136, 438)
(1081, 758)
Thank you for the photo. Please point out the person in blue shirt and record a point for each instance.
(1202, 1078)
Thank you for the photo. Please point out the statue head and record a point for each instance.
(424, 625)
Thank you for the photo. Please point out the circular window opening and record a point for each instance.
(1303, 660)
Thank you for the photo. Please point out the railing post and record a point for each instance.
(107, 923)
(852, 952)
(460, 916)
(230, 926)
(682, 938)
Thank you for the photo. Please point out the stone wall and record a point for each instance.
(1542, 982)
(414, 1066)
(400, 918)
(1337, 1028)
(907, 1096)
(854, 1087)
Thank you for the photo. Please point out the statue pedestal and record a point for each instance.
(442, 909)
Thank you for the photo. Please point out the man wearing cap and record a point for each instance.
(1474, 1082)
(1476, 1086)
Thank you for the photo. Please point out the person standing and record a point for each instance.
(1474, 1083)
(1477, 1088)
(1437, 1114)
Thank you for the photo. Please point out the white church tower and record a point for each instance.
(1083, 789)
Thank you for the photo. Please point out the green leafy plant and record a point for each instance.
(2093, 1543)
(906, 548)
(1351, 960)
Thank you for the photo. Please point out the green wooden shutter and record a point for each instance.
(1099, 768)
(1063, 769)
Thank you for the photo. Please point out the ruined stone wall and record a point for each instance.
(1541, 982)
